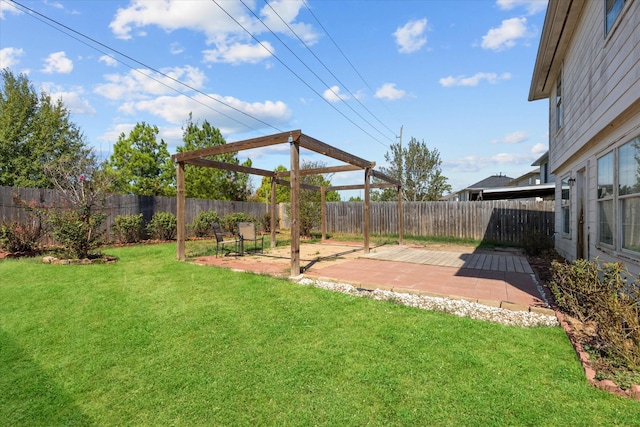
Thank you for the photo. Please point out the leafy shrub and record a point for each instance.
(163, 226)
(608, 295)
(21, 236)
(229, 221)
(265, 222)
(77, 232)
(202, 225)
(128, 228)
(536, 242)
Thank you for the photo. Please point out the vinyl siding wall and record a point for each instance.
(601, 103)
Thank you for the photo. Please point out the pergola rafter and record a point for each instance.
(296, 139)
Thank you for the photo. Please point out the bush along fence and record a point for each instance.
(503, 221)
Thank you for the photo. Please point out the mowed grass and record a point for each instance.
(154, 341)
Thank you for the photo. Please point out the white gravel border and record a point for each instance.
(456, 307)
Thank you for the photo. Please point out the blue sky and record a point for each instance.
(454, 74)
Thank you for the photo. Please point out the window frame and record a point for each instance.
(565, 206)
(607, 197)
(626, 196)
(559, 104)
(611, 16)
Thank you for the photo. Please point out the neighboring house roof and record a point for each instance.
(559, 24)
(492, 181)
(523, 192)
(541, 160)
(524, 179)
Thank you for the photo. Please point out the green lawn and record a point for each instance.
(153, 341)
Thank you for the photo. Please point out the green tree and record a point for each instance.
(419, 171)
(212, 183)
(310, 200)
(34, 132)
(263, 193)
(140, 164)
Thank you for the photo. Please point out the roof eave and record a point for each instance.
(560, 21)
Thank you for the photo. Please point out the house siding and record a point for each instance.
(601, 106)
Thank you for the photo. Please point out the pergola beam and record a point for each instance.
(384, 177)
(303, 186)
(329, 151)
(207, 163)
(234, 147)
(358, 187)
(320, 171)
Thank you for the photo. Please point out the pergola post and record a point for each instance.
(294, 179)
(400, 217)
(180, 212)
(367, 176)
(273, 211)
(323, 212)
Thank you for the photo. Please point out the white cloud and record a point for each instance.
(505, 36)
(512, 138)
(519, 162)
(474, 80)
(7, 7)
(108, 60)
(71, 97)
(238, 53)
(410, 37)
(143, 83)
(176, 48)
(57, 62)
(230, 42)
(333, 94)
(9, 56)
(532, 6)
(175, 109)
(390, 92)
(277, 11)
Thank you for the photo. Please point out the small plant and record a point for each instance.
(265, 222)
(128, 228)
(163, 226)
(535, 242)
(76, 231)
(21, 236)
(202, 225)
(607, 295)
(229, 222)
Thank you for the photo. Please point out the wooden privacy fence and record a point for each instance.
(498, 220)
(503, 221)
(125, 204)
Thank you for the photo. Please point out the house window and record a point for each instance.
(606, 222)
(612, 9)
(565, 205)
(629, 194)
(559, 117)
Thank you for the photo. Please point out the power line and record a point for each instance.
(330, 72)
(293, 72)
(345, 57)
(40, 17)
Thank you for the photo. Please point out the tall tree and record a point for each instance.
(310, 209)
(140, 164)
(211, 183)
(419, 171)
(263, 193)
(34, 132)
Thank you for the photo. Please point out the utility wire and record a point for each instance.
(322, 63)
(346, 58)
(327, 68)
(43, 18)
(294, 73)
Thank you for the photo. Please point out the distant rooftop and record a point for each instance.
(492, 182)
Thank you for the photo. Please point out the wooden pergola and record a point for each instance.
(296, 139)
